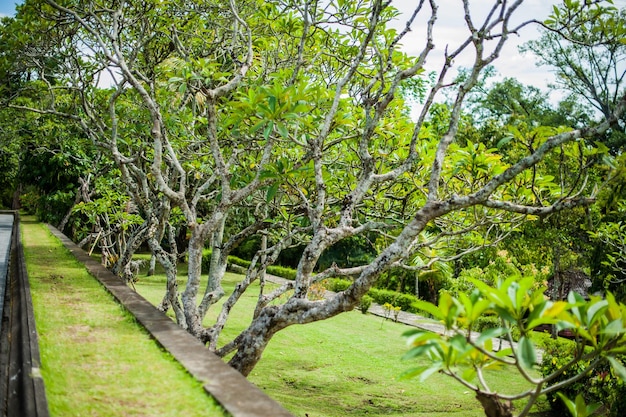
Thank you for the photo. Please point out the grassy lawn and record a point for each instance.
(345, 366)
(96, 360)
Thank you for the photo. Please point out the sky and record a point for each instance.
(450, 28)
(7, 7)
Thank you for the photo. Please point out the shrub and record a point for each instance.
(365, 304)
(281, 271)
(30, 201)
(462, 284)
(404, 301)
(238, 261)
(206, 259)
(337, 284)
(600, 386)
(483, 323)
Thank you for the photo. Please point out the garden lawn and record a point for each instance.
(96, 360)
(348, 365)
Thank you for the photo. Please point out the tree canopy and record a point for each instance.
(290, 122)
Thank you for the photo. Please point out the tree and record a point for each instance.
(293, 113)
(585, 47)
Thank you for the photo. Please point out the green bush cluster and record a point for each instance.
(600, 386)
(483, 323)
(337, 284)
(279, 271)
(406, 302)
(238, 261)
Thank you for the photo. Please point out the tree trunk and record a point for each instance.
(494, 406)
(16, 205)
(170, 299)
(121, 266)
(254, 340)
(67, 216)
(189, 296)
(152, 266)
(217, 269)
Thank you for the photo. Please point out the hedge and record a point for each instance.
(279, 271)
(406, 302)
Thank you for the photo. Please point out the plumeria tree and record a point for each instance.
(467, 354)
(293, 116)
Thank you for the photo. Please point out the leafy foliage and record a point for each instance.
(465, 353)
(599, 386)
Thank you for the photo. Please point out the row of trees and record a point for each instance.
(183, 125)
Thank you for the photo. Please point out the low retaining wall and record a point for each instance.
(231, 389)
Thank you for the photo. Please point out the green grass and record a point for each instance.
(345, 366)
(96, 360)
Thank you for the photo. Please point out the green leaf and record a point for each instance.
(469, 374)
(268, 129)
(430, 308)
(417, 351)
(422, 371)
(596, 310)
(282, 130)
(459, 342)
(490, 334)
(257, 126)
(614, 328)
(504, 352)
(526, 354)
(571, 407)
(619, 369)
(418, 337)
(271, 191)
(272, 103)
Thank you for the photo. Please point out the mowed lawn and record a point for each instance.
(96, 360)
(348, 365)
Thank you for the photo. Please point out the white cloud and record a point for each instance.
(451, 29)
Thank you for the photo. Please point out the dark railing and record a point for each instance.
(22, 390)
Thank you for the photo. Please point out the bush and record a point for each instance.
(483, 323)
(238, 261)
(365, 304)
(206, 259)
(30, 202)
(600, 386)
(281, 271)
(404, 301)
(337, 284)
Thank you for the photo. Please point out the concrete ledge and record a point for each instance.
(231, 389)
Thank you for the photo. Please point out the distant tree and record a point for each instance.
(586, 49)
